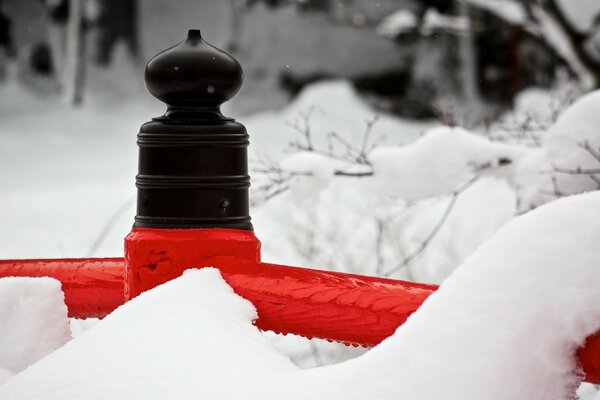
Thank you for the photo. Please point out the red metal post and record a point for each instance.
(154, 256)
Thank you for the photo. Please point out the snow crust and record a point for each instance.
(33, 322)
(504, 325)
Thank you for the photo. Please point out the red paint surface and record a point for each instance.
(154, 256)
(352, 309)
(93, 287)
(589, 359)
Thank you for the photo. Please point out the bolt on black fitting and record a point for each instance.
(193, 161)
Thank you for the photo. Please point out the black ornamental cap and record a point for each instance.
(193, 162)
(193, 74)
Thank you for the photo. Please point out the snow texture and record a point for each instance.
(33, 322)
(505, 325)
(562, 153)
(437, 163)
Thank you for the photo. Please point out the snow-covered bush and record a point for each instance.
(424, 206)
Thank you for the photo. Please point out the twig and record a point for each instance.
(556, 189)
(379, 245)
(577, 171)
(314, 351)
(587, 147)
(454, 196)
(353, 174)
(109, 226)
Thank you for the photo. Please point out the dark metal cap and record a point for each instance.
(193, 162)
(193, 74)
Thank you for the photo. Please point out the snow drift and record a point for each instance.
(505, 325)
(33, 322)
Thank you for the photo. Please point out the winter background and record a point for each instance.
(389, 138)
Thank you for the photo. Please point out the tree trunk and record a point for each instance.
(74, 72)
(468, 57)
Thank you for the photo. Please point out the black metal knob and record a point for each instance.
(193, 74)
(193, 162)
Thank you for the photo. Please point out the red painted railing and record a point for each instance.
(352, 309)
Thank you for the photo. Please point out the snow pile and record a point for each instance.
(330, 106)
(185, 339)
(438, 163)
(505, 325)
(311, 173)
(569, 154)
(33, 322)
(574, 142)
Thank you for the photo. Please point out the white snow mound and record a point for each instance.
(504, 326)
(33, 322)
(439, 162)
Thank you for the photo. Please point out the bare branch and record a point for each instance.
(593, 152)
(353, 174)
(432, 234)
(556, 192)
(576, 171)
(114, 218)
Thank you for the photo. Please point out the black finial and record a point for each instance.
(193, 166)
(193, 75)
(194, 34)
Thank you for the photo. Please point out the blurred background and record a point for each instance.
(325, 80)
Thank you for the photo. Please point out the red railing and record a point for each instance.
(352, 309)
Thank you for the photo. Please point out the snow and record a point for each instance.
(434, 21)
(33, 322)
(514, 312)
(581, 13)
(575, 127)
(311, 173)
(329, 106)
(403, 21)
(439, 162)
(399, 22)
(479, 212)
(563, 147)
(508, 10)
